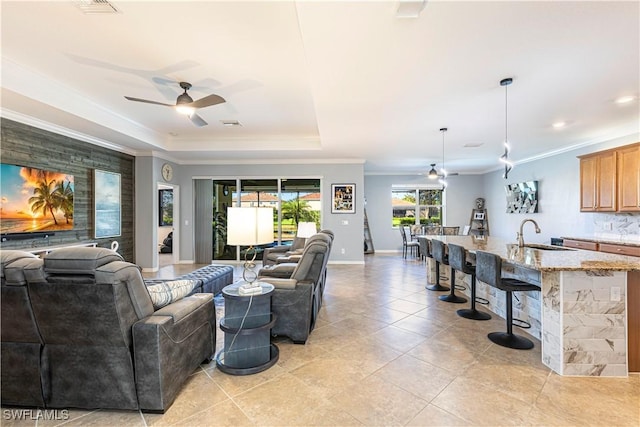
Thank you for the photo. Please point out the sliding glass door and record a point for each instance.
(293, 201)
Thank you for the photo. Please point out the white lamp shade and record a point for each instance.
(306, 229)
(249, 226)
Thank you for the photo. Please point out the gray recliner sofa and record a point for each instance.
(271, 255)
(21, 340)
(296, 299)
(103, 343)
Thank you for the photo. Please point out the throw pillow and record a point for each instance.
(165, 293)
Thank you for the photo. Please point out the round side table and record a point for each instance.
(247, 324)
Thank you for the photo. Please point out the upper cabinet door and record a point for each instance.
(629, 179)
(607, 178)
(588, 186)
(598, 182)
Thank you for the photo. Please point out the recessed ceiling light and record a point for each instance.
(473, 144)
(558, 125)
(625, 99)
(230, 123)
(173, 134)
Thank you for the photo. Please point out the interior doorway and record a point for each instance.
(168, 236)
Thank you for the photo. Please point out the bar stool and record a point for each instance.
(489, 270)
(439, 256)
(423, 245)
(458, 261)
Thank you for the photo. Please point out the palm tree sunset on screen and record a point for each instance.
(35, 199)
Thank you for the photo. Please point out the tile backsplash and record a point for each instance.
(620, 226)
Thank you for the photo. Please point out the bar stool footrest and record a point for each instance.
(523, 324)
(482, 301)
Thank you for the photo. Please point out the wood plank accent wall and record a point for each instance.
(25, 145)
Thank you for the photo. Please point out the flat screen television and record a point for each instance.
(34, 200)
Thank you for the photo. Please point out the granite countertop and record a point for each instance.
(544, 260)
(612, 241)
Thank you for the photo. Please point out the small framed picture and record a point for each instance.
(479, 216)
(344, 198)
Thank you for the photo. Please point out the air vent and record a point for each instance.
(473, 144)
(230, 123)
(95, 6)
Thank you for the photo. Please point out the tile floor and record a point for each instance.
(387, 352)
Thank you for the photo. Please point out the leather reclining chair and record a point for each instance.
(296, 300)
(21, 339)
(105, 346)
(270, 255)
(294, 256)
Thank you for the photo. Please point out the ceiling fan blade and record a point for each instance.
(197, 120)
(148, 102)
(207, 101)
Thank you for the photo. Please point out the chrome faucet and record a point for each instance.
(520, 236)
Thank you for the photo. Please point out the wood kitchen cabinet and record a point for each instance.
(629, 179)
(598, 182)
(610, 180)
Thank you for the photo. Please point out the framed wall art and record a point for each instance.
(343, 198)
(107, 207)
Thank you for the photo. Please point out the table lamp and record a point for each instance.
(306, 229)
(249, 227)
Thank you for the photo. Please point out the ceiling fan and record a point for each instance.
(186, 105)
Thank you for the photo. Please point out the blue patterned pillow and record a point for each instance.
(165, 293)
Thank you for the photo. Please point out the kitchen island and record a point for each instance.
(580, 316)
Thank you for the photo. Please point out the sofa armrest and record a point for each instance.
(289, 259)
(182, 308)
(280, 283)
(169, 345)
(281, 271)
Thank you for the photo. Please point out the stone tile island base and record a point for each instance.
(583, 332)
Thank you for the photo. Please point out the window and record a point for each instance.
(166, 207)
(417, 206)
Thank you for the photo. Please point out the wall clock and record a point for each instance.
(167, 172)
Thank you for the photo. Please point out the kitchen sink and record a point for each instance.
(546, 247)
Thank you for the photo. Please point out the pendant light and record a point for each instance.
(443, 180)
(508, 165)
(433, 174)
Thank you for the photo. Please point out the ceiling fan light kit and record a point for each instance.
(433, 174)
(186, 105)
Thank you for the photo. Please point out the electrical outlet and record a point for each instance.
(607, 226)
(615, 293)
(345, 222)
(342, 251)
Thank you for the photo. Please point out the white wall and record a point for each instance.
(559, 199)
(558, 211)
(348, 237)
(559, 195)
(460, 196)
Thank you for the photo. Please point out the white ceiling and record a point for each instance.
(328, 80)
